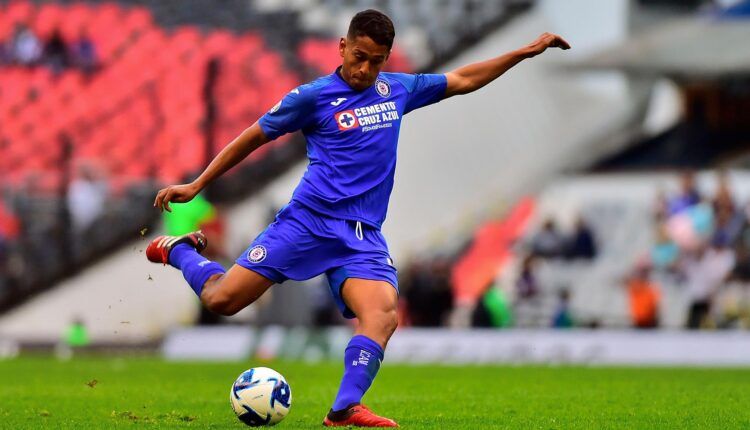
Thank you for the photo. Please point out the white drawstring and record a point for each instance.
(358, 231)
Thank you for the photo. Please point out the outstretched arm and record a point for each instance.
(474, 76)
(248, 141)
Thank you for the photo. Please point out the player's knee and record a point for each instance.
(384, 322)
(392, 322)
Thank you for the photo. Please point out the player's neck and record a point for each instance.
(340, 73)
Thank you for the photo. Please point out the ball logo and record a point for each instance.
(257, 254)
(346, 120)
(383, 88)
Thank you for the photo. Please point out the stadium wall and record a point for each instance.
(420, 346)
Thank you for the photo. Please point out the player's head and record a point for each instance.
(366, 48)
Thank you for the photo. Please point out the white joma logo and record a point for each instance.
(338, 101)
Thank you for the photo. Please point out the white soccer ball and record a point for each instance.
(260, 396)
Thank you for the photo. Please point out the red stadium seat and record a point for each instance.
(112, 115)
(77, 16)
(17, 11)
(219, 43)
(137, 19)
(48, 18)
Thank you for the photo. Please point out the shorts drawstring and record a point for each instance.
(358, 231)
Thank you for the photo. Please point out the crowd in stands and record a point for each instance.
(83, 144)
(26, 48)
(702, 242)
(701, 250)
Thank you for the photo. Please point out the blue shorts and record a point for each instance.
(301, 244)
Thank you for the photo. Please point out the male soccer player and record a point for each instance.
(351, 120)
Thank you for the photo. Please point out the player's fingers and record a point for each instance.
(562, 43)
(167, 198)
(159, 198)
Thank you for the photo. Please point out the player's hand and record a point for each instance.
(174, 193)
(546, 40)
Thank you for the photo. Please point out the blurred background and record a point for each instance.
(591, 205)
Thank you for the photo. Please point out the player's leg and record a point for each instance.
(222, 293)
(231, 292)
(374, 303)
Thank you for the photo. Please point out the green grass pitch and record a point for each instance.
(98, 393)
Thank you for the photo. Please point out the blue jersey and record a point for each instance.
(351, 139)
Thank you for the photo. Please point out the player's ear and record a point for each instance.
(342, 46)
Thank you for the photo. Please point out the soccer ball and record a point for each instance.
(260, 396)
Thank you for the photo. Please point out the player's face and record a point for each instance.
(362, 61)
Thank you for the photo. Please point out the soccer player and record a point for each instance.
(351, 121)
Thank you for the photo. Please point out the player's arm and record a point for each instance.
(244, 144)
(474, 76)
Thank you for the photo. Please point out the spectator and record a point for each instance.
(526, 284)
(664, 253)
(724, 199)
(5, 53)
(56, 55)
(84, 52)
(661, 206)
(87, 195)
(741, 246)
(76, 334)
(429, 296)
(644, 297)
(25, 46)
(688, 196)
(548, 242)
(581, 244)
(705, 272)
(493, 309)
(190, 216)
(692, 227)
(728, 221)
(563, 317)
(10, 228)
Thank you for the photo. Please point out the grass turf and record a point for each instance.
(150, 393)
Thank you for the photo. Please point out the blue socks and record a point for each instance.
(362, 359)
(195, 268)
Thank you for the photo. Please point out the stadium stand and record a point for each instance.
(124, 119)
(109, 125)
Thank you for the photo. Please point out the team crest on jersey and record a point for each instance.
(346, 120)
(383, 88)
(257, 254)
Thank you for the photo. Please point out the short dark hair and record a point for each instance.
(373, 24)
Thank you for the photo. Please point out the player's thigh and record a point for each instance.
(234, 290)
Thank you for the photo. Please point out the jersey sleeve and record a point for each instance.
(423, 89)
(292, 113)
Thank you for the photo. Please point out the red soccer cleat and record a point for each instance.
(358, 416)
(159, 248)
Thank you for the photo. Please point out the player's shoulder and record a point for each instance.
(312, 89)
(407, 80)
(402, 78)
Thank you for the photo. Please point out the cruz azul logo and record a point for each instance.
(379, 115)
(257, 254)
(346, 120)
(382, 88)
